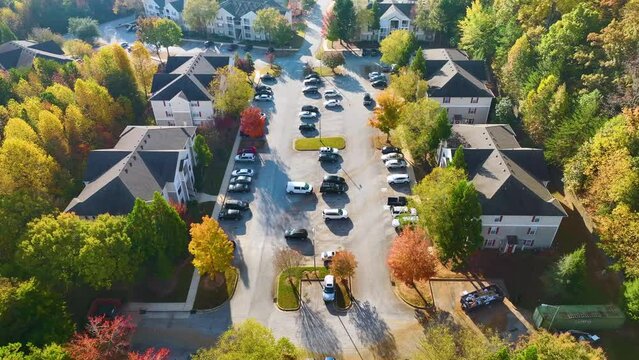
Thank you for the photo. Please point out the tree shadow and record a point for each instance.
(373, 331)
(316, 335)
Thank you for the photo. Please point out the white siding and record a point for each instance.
(531, 234)
(463, 110)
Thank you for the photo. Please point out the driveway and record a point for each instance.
(379, 326)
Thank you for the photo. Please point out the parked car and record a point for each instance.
(334, 179)
(249, 149)
(391, 149)
(243, 172)
(312, 75)
(307, 115)
(379, 84)
(245, 157)
(402, 210)
(405, 220)
(306, 127)
(329, 288)
(332, 103)
(480, 298)
(397, 179)
(209, 44)
(374, 74)
(231, 47)
(391, 156)
(331, 187)
(236, 205)
(268, 91)
(396, 201)
(375, 52)
(263, 97)
(328, 255)
(328, 150)
(395, 164)
(296, 234)
(248, 47)
(366, 52)
(241, 180)
(229, 214)
(328, 157)
(239, 188)
(298, 187)
(368, 99)
(310, 90)
(331, 93)
(124, 44)
(270, 50)
(311, 108)
(267, 77)
(312, 81)
(263, 88)
(334, 214)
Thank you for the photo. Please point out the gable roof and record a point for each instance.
(403, 6)
(178, 5)
(143, 161)
(482, 136)
(239, 8)
(21, 53)
(451, 74)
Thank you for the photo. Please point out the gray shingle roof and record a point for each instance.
(482, 136)
(21, 53)
(451, 74)
(406, 7)
(239, 8)
(178, 5)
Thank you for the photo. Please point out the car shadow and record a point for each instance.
(316, 96)
(340, 227)
(336, 200)
(310, 133)
(401, 188)
(332, 167)
(303, 246)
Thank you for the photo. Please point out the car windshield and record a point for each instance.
(306, 186)
(329, 289)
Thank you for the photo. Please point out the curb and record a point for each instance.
(299, 299)
(397, 293)
(237, 278)
(350, 281)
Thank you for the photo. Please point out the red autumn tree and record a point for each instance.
(102, 339)
(150, 354)
(252, 122)
(181, 210)
(409, 258)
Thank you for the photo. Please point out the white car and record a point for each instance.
(307, 115)
(263, 97)
(243, 172)
(330, 93)
(374, 74)
(328, 150)
(334, 214)
(402, 210)
(405, 220)
(391, 156)
(398, 179)
(245, 157)
(328, 255)
(395, 164)
(332, 103)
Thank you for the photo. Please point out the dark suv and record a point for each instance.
(331, 187)
(236, 205)
(368, 100)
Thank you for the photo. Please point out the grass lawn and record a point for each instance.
(214, 292)
(306, 144)
(221, 143)
(288, 295)
(419, 298)
(326, 71)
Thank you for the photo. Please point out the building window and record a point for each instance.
(493, 230)
(529, 242)
(245, 21)
(247, 28)
(230, 33)
(489, 243)
(247, 35)
(469, 121)
(474, 100)
(535, 219)
(498, 218)
(405, 23)
(229, 18)
(472, 110)
(532, 230)
(446, 100)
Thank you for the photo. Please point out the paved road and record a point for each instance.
(379, 325)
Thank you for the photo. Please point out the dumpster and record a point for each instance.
(578, 317)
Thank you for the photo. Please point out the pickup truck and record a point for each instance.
(483, 297)
(397, 201)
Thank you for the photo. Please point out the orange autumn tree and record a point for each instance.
(252, 122)
(387, 114)
(409, 258)
(343, 264)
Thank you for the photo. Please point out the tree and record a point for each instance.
(451, 209)
(620, 239)
(409, 85)
(566, 279)
(231, 90)
(245, 64)
(202, 151)
(30, 313)
(25, 166)
(330, 29)
(442, 16)
(458, 161)
(504, 113)
(375, 15)
(159, 32)
(77, 48)
(333, 59)
(544, 345)
(631, 298)
(52, 136)
(423, 125)
(520, 63)
(544, 108)
(39, 35)
(285, 259)
(143, 66)
(249, 340)
(343, 264)
(386, 116)
(17, 128)
(346, 19)
(135, 5)
(151, 354)
(270, 22)
(14, 351)
(210, 246)
(102, 339)
(444, 341)
(86, 29)
(198, 13)
(6, 90)
(252, 122)
(418, 64)
(478, 31)
(411, 244)
(397, 47)
(5, 33)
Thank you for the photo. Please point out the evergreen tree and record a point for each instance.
(346, 19)
(418, 64)
(458, 160)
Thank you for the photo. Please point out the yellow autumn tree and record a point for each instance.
(17, 128)
(387, 114)
(143, 66)
(25, 166)
(210, 246)
(51, 132)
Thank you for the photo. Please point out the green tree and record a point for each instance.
(442, 16)
(566, 279)
(544, 345)
(77, 48)
(202, 151)
(376, 15)
(333, 59)
(386, 116)
(249, 340)
(159, 32)
(270, 22)
(6, 90)
(545, 108)
(418, 64)
(86, 29)
(444, 341)
(171, 229)
(198, 13)
(16, 351)
(330, 26)
(631, 298)
(504, 113)
(519, 64)
(409, 85)
(5, 33)
(346, 19)
(232, 90)
(459, 161)
(423, 125)
(283, 33)
(451, 209)
(397, 47)
(30, 313)
(479, 31)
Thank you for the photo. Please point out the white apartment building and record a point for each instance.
(171, 9)
(235, 18)
(395, 15)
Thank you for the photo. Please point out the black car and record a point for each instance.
(231, 47)
(379, 84)
(310, 90)
(366, 52)
(236, 205)
(331, 187)
(307, 127)
(311, 108)
(334, 179)
(229, 214)
(368, 99)
(391, 149)
(263, 88)
(375, 52)
(328, 157)
(248, 47)
(397, 201)
(267, 77)
(312, 76)
(208, 44)
(239, 188)
(240, 180)
(295, 234)
(312, 81)
(268, 91)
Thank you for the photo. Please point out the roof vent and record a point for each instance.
(130, 164)
(126, 171)
(135, 157)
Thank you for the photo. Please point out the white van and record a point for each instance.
(298, 187)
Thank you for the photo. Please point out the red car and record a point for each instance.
(250, 149)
